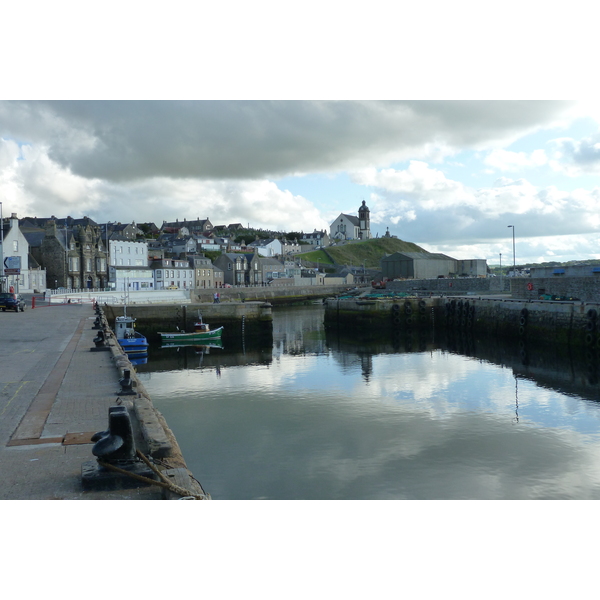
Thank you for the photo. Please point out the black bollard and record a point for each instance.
(100, 342)
(116, 443)
(126, 384)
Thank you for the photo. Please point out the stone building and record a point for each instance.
(71, 250)
(204, 272)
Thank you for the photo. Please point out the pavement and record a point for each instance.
(55, 393)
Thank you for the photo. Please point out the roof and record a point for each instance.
(270, 261)
(263, 242)
(351, 218)
(34, 238)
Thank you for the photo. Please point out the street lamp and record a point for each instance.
(1, 249)
(501, 288)
(514, 259)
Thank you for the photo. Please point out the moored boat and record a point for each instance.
(133, 342)
(202, 333)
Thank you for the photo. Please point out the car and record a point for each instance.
(11, 301)
(172, 287)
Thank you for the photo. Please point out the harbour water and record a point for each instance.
(318, 414)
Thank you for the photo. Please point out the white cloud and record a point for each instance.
(505, 160)
(34, 185)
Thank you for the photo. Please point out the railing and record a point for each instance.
(62, 291)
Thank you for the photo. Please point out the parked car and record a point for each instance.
(172, 287)
(11, 301)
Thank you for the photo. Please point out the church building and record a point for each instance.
(349, 227)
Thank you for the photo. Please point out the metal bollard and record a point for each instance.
(100, 342)
(126, 384)
(116, 443)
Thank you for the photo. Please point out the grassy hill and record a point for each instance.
(355, 253)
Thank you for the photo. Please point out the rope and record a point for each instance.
(163, 481)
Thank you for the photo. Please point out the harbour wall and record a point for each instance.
(452, 286)
(527, 320)
(274, 295)
(253, 318)
(586, 289)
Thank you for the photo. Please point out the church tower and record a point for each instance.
(364, 221)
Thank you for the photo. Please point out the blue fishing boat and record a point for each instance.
(133, 342)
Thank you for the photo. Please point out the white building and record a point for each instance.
(128, 266)
(267, 248)
(349, 227)
(14, 255)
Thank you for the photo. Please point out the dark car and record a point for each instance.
(11, 301)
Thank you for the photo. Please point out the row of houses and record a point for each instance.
(81, 254)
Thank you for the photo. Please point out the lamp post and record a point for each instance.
(501, 287)
(1, 250)
(514, 259)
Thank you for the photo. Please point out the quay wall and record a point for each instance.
(452, 286)
(255, 317)
(526, 320)
(274, 295)
(586, 289)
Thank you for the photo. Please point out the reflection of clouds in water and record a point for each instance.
(424, 425)
(340, 447)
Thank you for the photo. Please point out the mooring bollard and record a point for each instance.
(100, 342)
(116, 465)
(126, 384)
(116, 443)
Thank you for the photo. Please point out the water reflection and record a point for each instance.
(321, 414)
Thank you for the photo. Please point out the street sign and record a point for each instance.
(12, 271)
(12, 262)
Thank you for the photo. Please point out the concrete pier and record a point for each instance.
(55, 393)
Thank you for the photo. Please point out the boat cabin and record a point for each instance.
(124, 328)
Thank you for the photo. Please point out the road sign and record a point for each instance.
(12, 262)
(12, 271)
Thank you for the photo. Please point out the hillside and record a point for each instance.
(355, 253)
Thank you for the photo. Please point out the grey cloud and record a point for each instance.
(584, 153)
(129, 140)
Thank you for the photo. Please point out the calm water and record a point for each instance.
(317, 415)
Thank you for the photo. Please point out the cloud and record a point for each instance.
(575, 158)
(505, 160)
(422, 205)
(152, 160)
(37, 186)
(128, 140)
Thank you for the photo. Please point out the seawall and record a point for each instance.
(531, 320)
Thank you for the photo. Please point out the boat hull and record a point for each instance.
(134, 346)
(193, 337)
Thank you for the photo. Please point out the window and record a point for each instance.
(88, 264)
(16, 246)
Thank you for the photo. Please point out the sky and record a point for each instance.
(446, 158)
(450, 176)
